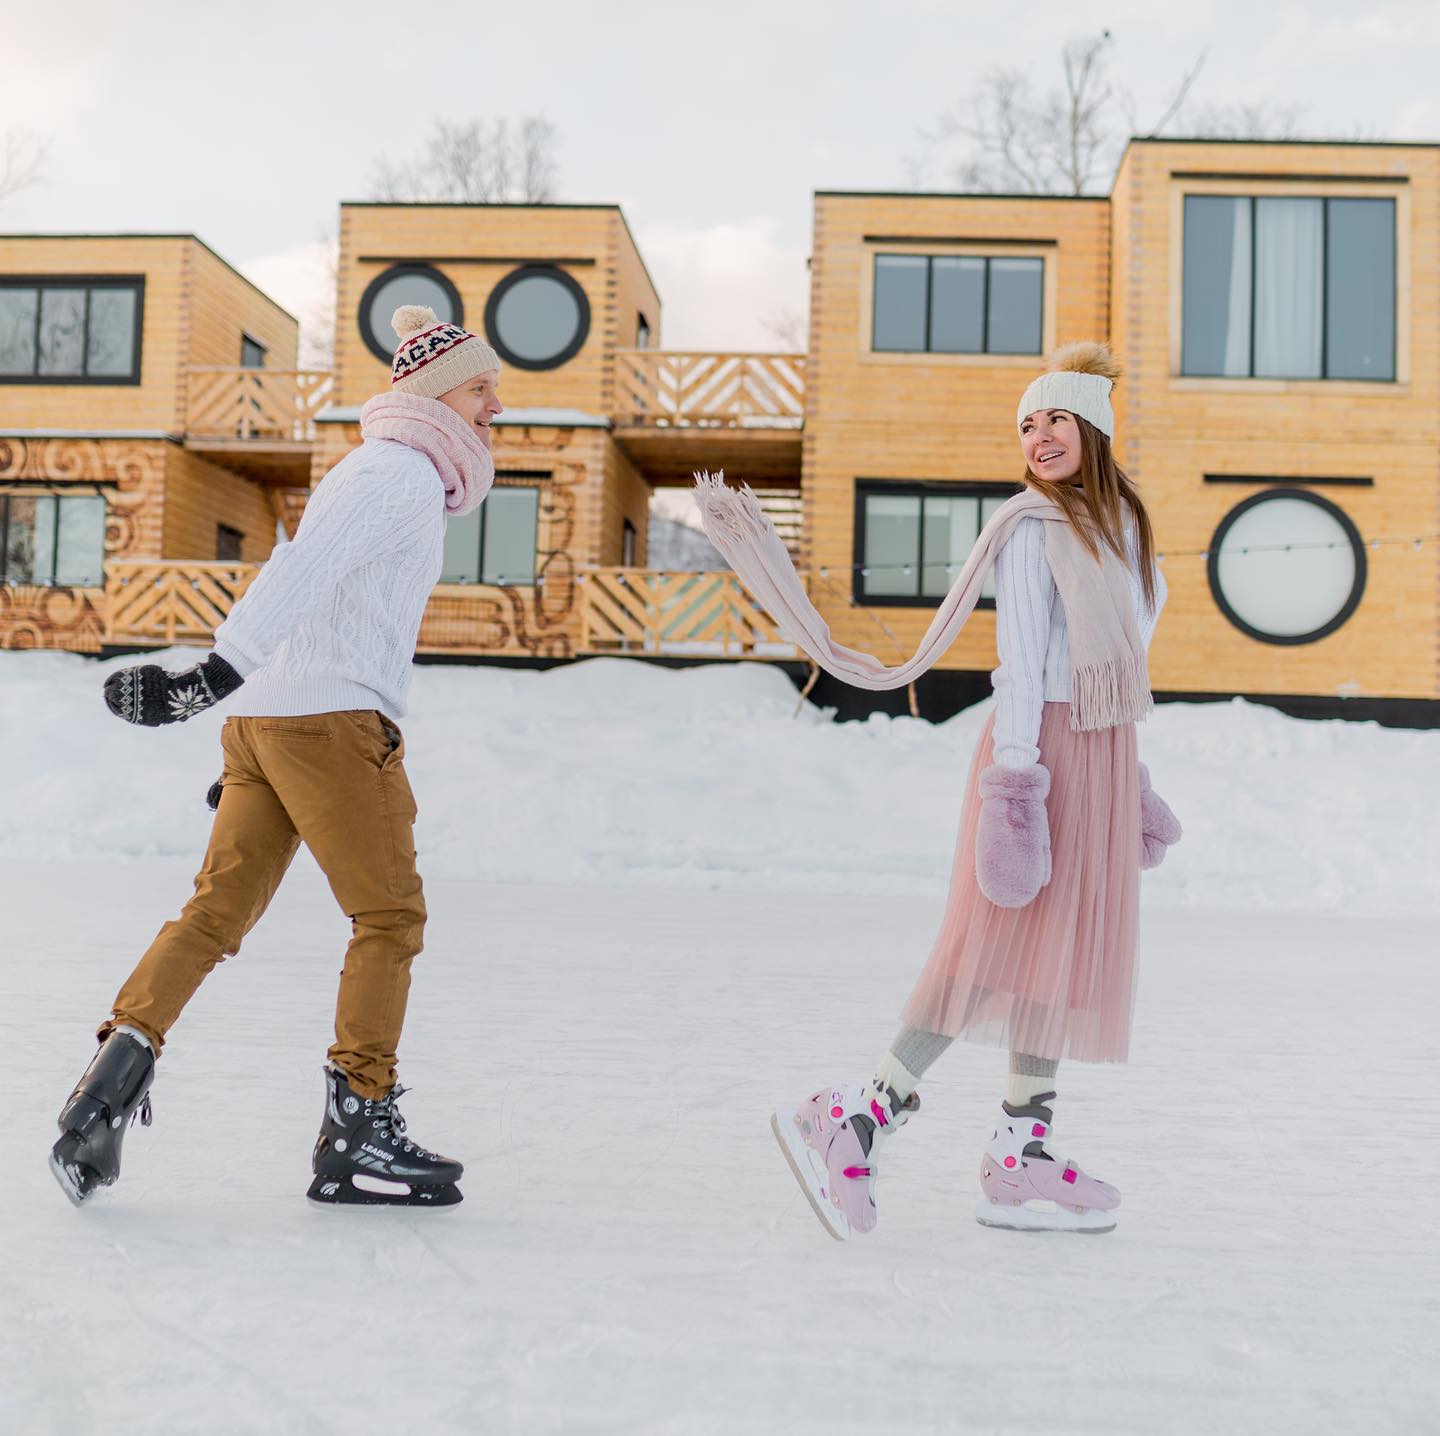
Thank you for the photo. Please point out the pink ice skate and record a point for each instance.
(1026, 1189)
(832, 1142)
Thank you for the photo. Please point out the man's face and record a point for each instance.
(477, 401)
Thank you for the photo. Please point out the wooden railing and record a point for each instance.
(164, 603)
(634, 610)
(667, 389)
(622, 610)
(226, 404)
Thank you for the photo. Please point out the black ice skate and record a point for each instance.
(114, 1091)
(364, 1158)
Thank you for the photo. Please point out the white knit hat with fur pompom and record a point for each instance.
(1080, 380)
(433, 358)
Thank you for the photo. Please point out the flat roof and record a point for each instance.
(165, 235)
(503, 204)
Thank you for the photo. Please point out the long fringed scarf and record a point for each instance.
(1110, 684)
(451, 444)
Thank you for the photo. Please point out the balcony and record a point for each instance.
(676, 412)
(638, 612)
(257, 422)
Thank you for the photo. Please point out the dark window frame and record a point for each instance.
(87, 282)
(512, 480)
(914, 488)
(252, 340)
(984, 349)
(223, 531)
(59, 495)
(538, 269)
(1357, 544)
(409, 266)
(1322, 377)
(642, 331)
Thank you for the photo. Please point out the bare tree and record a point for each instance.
(480, 161)
(787, 327)
(1069, 139)
(22, 158)
(317, 324)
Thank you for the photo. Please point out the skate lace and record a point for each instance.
(388, 1116)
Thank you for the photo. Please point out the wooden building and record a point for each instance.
(117, 448)
(1277, 311)
(1276, 308)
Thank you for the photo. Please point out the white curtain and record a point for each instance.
(1289, 287)
(1237, 318)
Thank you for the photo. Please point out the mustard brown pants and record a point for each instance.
(336, 782)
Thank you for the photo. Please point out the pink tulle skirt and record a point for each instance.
(1055, 978)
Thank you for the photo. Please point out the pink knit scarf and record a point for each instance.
(1110, 683)
(451, 444)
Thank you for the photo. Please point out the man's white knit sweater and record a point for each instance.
(1032, 640)
(331, 621)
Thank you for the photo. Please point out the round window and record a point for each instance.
(537, 317)
(1287, 566)
(404, 284)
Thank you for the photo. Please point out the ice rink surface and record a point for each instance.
(660, 905)
(632, 1254)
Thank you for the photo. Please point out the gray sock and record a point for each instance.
(908, 1058)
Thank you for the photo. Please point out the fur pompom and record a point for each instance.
(412, 319)
(1087, 357)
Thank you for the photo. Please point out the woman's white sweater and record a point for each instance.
(332, 619)
(1033, 644)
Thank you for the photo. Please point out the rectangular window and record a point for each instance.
(957, 304)
(912, 540)
(642, 332)
(252, 353)
(70, 331)
(495, 543)
(229, 544)
(1289, 288)
(53, 540)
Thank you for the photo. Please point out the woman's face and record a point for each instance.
(1050, 441)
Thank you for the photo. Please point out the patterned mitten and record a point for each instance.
(1159, 827)
(150, 696)
(1012, 843)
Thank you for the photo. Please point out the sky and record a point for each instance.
(710, 125)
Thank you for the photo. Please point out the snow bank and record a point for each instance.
(616, 772)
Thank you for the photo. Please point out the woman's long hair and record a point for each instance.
(1095, 503)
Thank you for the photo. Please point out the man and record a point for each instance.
(315, 663)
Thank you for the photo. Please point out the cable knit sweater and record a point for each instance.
(1033, 645)
(331, 622)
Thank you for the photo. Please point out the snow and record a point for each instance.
(660, 904)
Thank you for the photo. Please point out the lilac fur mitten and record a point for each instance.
(1159, 827)
(1012, 843)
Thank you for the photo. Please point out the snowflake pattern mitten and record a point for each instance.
(150, 696)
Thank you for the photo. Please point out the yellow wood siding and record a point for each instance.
(90, 408)
(626, 496)
(491, 241)
(223, 305)
(1175, 430)
(926, 416)
(199, 496)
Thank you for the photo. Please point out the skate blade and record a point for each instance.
(344, 1192)
(798, 1158)
(1030, 1217)
(71, 1180)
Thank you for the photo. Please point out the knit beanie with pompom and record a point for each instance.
(1080, 380)
(434, 358)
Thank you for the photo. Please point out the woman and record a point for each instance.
(315, 663)
(1037, 947)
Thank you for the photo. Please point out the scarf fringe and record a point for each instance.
(1104, 695)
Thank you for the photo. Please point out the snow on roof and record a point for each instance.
(537, 418)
